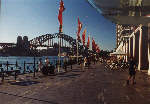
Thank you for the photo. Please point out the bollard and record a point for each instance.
(34, 68)
(16, 65)
(15, 75)
(2, 74)
(11, 68)
(7, 66)
(24, 67)
(71, 63)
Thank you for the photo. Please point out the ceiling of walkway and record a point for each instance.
(124, 11)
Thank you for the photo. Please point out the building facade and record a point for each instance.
(132, 19)
(134, 41)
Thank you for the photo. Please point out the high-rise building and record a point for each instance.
(26, 43)
(19, 41)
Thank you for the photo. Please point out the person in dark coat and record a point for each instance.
(132, 71)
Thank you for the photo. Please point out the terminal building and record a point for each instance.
(132, 19)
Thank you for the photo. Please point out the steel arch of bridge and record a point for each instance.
(39, 41)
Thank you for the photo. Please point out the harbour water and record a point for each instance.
(20, 60)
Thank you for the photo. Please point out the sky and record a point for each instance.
(33, 18)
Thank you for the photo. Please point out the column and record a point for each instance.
(129, 42)
(149, 47)
(136, 47)
(133, 45)
(127, 49)
(143, 48)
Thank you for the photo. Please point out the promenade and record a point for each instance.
(95, 85)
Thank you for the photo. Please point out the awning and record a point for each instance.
(118, 52)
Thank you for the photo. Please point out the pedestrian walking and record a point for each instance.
(82, 64)
(132, 71)
(65, 64)
(40, 64)
(47, 61)
(85, 61)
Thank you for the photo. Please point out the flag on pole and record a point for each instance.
(95, 48)
(79, 29)
(83, 37)
(61, 9)
(88, 42)
(93, 44)
(98, 49)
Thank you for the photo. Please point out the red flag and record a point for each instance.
(93, 44)
(83, 36)
(95, 48)
(79, 29)
(98, 50)
(88, 42)
(61, 9)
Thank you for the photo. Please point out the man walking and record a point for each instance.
(132, 71)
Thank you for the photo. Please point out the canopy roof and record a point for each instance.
(119, 52)
(124, 11)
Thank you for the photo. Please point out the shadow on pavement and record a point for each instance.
(69, 76)
(77, 71)
(29, 98)
(24, 83)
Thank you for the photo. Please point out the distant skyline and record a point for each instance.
(33, 18)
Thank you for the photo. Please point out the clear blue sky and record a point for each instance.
(38, 17)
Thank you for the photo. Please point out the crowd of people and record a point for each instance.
(45, 66)
(82, 61)
(86, 62)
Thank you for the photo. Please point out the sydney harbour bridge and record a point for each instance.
(47, 42)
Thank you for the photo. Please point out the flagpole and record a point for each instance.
(60, 31)
(61, 9)
(89, 43)
(77, 50)
(78, 37)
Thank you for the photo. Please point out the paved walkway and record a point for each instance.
(96, 85)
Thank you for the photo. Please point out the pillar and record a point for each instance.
(131, 47)
(127, 50)
(136, 47)
(149, 47)
(124, 50)
(143, 48)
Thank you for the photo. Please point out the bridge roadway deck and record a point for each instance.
(92, 86)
